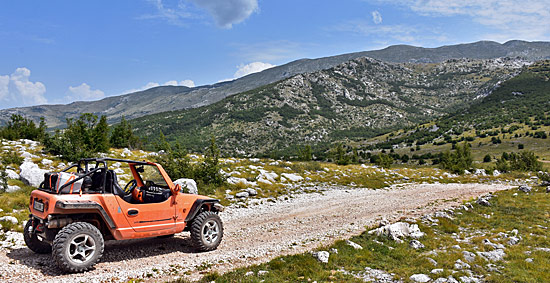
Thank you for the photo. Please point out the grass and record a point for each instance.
(528, 213)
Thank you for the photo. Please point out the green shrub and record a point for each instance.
(384, 160)
(487, 158)
(459, 160)
(11, 157)
(19, 127)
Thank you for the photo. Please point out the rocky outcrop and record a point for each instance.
(187, 185)
(31, 174)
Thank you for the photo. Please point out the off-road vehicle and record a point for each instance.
(75, 210)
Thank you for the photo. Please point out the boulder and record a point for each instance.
(8, 218)
(251, 191)
(321, 256)
(126, 152)
(469, 256)
(12, 189)
(354, 245)
(513, 240)
(292, 177)
(187, 185)
(459, 265)
(420, 278)
(31, 174)
(415, 244)
(495, 255)
(242, 194)
(46, 162)
(12, 174)
(496, 173)
(524, 188)
(398, 230)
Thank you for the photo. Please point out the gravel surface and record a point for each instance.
(253, 234)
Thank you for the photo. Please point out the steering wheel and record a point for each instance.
(132, 185)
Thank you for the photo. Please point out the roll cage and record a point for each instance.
(84, 170)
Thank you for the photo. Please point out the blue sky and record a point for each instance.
(63, 51)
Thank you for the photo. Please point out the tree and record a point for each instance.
(82, 138)
(487, 158)
(100, 135)
(123, 136)
(384, 160)
(19, 127)
(340, 155)
(305, 153)
(459, 160)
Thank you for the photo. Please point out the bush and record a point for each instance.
(11, 157)
(305, 154)
(523, 161)
(3, 179)
(459, 160)
(20, 127)
(123, 136)
(487, 158)
(178, 165)
(520, 146)
(384, 160)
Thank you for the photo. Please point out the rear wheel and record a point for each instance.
(77, 247)
(33, 242)
(206, 231)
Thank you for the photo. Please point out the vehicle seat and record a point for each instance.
(97, 181)
(112, 182)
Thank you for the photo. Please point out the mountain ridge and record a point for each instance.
(168, 98)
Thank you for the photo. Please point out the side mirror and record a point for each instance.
(86, 183)
(177, 189)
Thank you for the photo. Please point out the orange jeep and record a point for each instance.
(74, 211)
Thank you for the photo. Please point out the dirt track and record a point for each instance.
(253, 235)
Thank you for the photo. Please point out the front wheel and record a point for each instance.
(33, 242)
(206, 231)
(77, 247)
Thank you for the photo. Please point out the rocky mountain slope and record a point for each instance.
(170, 98)
(354, 100)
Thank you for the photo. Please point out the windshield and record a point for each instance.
(150, 175)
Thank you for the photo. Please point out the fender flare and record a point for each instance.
(89, 205)
(197, 205)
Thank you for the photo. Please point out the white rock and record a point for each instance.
(31, 174)
(480, 172)
(12, 174)
(12, 189)
(354, 245)
(496, 173)
(251, 191)
(469, 256)
(126, 152)
(437, 271)
(242, 194)
(46, 162)
(187, 185)
(262, 272)
(236, 180)
(292, 177)
(468, 279)
(249, 273)
(322, 256)
(528, 260)
(459, 265)
(420, 278)
(495, 255)
(415, 244)
(8, 218)
(119, 171)
(399, 230)
(513, 240)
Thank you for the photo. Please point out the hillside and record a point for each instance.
(168, 98)
(355, 100)
(517, 112)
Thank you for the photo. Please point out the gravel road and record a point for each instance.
(252, 235)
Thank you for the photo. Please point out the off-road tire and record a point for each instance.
(206, 231)
(33, 242)
(77, 238)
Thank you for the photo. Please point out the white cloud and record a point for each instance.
(511, 19)
(226, 13)
(17, 90)
(84, 92)
(376, 17)
(175, 15)
(254, 67)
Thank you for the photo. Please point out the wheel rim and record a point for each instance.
(210, 232)
(81, 248)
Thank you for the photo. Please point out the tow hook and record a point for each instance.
(40, 228)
